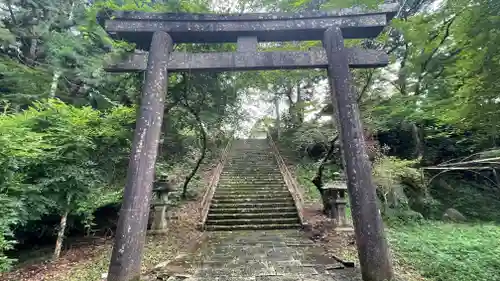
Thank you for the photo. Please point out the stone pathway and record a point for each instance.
(275, 255)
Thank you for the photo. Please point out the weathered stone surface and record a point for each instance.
(454, 215)
(265, 256)
(137, 27)
(316, 58)
(159, 218)
(397, 197)
(238, 199)
(334, 201)
(372, 246)
(125, 262)
(388, 8)
(159, 215)
(247, 44)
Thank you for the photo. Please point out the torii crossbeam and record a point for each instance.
(157, 32)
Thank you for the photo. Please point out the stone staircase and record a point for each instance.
(251, 193)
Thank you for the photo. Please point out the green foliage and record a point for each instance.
(448, 252)
(309, 134)
(445, 67)
(476, 199)
(389, 172)
(304, 173)
(55, 156)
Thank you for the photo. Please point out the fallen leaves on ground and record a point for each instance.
(88, 262)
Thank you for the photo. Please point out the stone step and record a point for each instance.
(266, 160)
(252, 161)
(249, 196)
(262, 174)
(250, 174)
(225, 184)
(245, 192)
(226, 216)
(254, 190)
(251, 186)
(252, 210)
(244, 205)
(254, 181)
(248, 187)
(251, 167)
(251, 193)
(251, 227)
(256, 221)
(241, 154)
(245, 168)
(252, 200)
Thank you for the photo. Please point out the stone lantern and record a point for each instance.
(161, 189)
(335, 201)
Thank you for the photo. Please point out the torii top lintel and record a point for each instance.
(138, 27)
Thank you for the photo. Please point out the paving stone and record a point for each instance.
(243, 253)
(292, 269)
(320, 278)
(277, 278)
(234, 278)
(226, 257)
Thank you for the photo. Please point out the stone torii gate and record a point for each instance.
(157, 32)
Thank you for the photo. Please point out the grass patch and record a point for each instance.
(449, 252)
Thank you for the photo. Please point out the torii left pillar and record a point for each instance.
(130, 236)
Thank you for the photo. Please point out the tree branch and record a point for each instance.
(203, 134)
(425, 64)
(318, 178)
(12, 16)
(366, 86)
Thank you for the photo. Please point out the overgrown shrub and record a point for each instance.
(474, 199)
(390, 174)
(56, 158)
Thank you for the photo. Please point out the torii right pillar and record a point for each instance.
(373, 251)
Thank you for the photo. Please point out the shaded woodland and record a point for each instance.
(66, 125)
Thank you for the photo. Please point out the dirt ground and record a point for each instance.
(89, 258)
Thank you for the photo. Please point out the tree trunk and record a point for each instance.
(318, 178)
(291, 106)
(419, 150)
(203, 152)
(299, 106)
(62, 229)
(278, 117)
(57, 73)
(55, 82)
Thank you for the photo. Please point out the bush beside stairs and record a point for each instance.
(251, 193)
